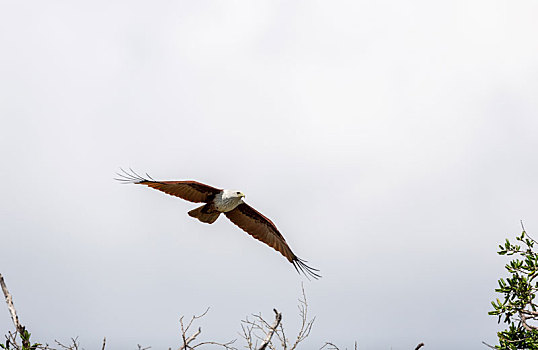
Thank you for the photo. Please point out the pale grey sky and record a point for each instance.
(393, 144)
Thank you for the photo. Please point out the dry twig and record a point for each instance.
(272, 330)
(74, 346)
(9, 301)
(187, 340)
(306, 325)
(329, 346)
(258, 329)
(489, 346)
(334, 347)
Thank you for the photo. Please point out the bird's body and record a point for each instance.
(228, 200)
(231, 204)
(222, 202)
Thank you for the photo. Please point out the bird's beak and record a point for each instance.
(242, 195)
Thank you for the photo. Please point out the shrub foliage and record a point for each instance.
(517, 306)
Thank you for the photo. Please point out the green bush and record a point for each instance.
(517, 307)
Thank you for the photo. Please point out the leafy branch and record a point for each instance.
(518, 307)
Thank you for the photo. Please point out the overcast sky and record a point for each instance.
(393, 144)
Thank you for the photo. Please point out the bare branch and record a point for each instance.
(104, 343)
(247, 334)
(282, 336)
(189, 339)
(184, 329)
(9, 301)
(524, 317)
(332, 346)
(74, 346)
(532, 314)
(306, 325)
(224, 345)
(272, 330)
(489, 346)
(259, 328)
(526, 233)
(196, 317)
(329, 346)
(419, 346)
(192, 337)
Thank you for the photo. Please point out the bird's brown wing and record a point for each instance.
(260, 227)
(192, 191)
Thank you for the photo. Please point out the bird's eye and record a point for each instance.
(237, 192)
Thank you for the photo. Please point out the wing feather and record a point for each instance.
(260, 227)
(191, 191)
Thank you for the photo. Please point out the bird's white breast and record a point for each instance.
(227, 200)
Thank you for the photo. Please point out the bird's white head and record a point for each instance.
(232, 194)
(238, 194)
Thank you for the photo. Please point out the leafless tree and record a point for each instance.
(257, 332)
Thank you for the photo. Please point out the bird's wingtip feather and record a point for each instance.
(129, 177)
(301, 267)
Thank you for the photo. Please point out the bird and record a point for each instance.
(228, 202)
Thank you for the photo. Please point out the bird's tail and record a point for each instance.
(205, 214)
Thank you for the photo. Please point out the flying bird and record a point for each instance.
(230, 203)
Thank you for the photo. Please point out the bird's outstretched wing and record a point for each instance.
(260, 227)
(189, 190)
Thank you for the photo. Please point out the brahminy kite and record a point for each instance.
(231, 204)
